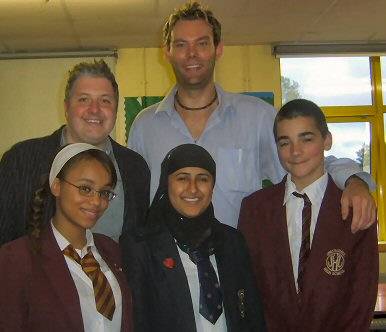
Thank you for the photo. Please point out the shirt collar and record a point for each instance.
(167, 104)
(63, 242)
(107, 148)
(315, 191)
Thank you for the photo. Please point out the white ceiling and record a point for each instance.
(57, 25)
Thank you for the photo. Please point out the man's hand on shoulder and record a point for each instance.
(357, 195)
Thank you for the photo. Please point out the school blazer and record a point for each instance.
(161, 295)
(38, 292)
(341, 279)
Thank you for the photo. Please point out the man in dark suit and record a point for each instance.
(91, 100)
(313, 273)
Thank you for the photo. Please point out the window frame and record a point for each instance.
(374, 115)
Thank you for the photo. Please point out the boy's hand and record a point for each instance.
(357, 196)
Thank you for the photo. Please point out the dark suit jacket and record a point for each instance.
(161, 295)
(339, 298)
(23, 167)
(38, 292)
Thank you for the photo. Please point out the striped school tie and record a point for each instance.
(305, 247)
(104, 297)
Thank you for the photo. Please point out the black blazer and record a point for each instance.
(161, 296)
(23, 167)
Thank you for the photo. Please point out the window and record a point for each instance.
(383, 74)
(351, 140)
(384, 127)
(352, 94)
(335, 81)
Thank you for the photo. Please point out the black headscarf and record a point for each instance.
(190, 233)
(194, 235)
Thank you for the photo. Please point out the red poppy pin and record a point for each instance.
(169, 262)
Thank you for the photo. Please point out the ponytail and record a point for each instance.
(36, 221)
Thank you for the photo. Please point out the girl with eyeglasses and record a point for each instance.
(61, 277)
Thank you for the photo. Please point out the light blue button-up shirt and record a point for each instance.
(239, 137)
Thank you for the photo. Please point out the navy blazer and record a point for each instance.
(341, 278)
(161, 296)
(38, 292)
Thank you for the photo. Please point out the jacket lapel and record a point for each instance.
(282, 246)
(227, 277)
(325, 225)
(60, 280)
(116, 268)
(170, 273)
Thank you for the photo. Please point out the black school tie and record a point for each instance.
(305, 248)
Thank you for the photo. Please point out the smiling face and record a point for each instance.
(192, 53)
(90, 110)
(301, 147)
(190, 190)
(74, 212)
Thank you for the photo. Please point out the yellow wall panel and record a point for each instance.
(250, 68)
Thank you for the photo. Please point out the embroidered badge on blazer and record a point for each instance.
(335, 262)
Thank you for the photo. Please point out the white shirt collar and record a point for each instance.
(315, 191)
(63, 242)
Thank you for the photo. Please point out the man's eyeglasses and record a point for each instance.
(89, 192)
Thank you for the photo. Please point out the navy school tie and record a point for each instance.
(210, 293)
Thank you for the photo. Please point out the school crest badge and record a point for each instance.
(335, 262)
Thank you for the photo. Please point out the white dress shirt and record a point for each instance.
(93, 321)
(294, 207)
(202, 324)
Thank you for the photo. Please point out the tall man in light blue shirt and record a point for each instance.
(234, 128)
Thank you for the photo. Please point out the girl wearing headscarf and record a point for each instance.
(61, 277)
(189, 272)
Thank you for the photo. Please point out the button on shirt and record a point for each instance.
(93, 321)
(239, 137)
(294, 207)
(202, 324)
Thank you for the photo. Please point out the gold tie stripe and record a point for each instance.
(104, 297)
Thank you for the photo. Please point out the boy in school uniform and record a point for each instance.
(313, 273)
